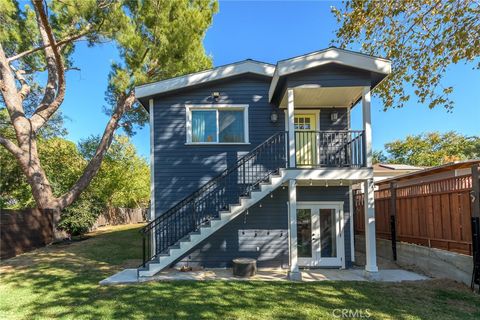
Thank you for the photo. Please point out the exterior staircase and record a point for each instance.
(173, 233)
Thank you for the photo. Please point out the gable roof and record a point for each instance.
(326, 56)
(283, 68)
(193, 79)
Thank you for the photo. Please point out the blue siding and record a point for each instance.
(181, 169)
(262, 233)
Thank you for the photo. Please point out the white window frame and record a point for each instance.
(215, 107)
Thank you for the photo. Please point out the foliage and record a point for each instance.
(379, 157)
(79, 218)
(124, 177)
(156, 39)
(422, 38)
(433, 149)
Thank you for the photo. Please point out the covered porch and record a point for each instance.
(317, 92)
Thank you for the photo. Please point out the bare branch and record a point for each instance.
(55, 88)
(123, 105)
(11, 147)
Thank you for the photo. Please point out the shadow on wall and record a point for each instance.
(24, 230)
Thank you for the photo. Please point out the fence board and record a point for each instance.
(433, 214)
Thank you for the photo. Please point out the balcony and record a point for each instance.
(316, 149)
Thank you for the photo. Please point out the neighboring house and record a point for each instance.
(383, 171)
(257, 160)
(445, 171)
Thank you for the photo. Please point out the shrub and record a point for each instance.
(78, 218)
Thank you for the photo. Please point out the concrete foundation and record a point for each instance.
(430, 261)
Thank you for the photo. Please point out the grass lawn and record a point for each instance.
(61, 281)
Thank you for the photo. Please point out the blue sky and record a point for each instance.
(270, 31)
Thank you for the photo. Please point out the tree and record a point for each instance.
(123, 179)
(433, 149)
(422, 38)
(156, 39)
(379, 157)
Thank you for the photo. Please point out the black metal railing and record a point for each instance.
(218, 194)
(330, 148)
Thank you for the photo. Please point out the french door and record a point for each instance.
(320, 234)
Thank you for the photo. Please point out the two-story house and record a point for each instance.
(257, 160)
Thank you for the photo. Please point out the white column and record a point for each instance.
(370, 240)
(367, 125)
(291, 128)
(293, 272)
(369, 188)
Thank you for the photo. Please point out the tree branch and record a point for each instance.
(55, 89)
(59, 44)
(123, 105)
(11, 147)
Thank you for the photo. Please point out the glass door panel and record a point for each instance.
(328, 233)
(304, 233)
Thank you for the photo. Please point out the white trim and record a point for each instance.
(357, 174)
(292, 229)
(367, 126)
(227, 71)
(152, 160)
(370, 240)
(291, 128)
(352, 231)
(330, 55)
(317, 260)
(216, 107)
(305, 111)
(152, 167)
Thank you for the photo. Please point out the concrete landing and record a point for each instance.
(387, 275)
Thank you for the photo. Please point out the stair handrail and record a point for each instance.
(206, 185)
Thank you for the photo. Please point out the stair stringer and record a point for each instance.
(196, 238)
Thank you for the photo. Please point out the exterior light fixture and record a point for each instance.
(216, 96)
(274, 116)
(334, 116)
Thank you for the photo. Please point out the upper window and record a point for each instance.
(217, 124)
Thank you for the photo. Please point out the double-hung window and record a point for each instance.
(210, 124)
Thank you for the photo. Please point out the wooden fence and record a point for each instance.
(28, 229)
(434, 214)
(24, 230)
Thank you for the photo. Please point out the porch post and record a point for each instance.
(369, 188)
(293, 272)
(367, 126)
(370, 241)
(291, 128)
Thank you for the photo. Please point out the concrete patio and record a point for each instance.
(264, 274)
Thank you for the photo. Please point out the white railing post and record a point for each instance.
(291, 128)
(293, 271)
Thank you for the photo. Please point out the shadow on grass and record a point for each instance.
(62, 281)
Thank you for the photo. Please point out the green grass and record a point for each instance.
(61, 281)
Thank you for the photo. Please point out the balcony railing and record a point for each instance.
(330, 148)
